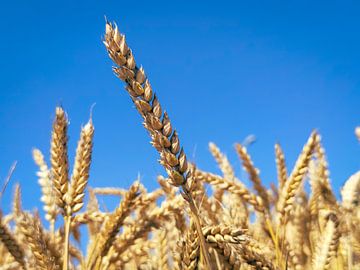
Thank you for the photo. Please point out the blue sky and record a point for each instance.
(222, 69)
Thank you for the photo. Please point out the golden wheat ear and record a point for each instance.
(327, 248)
(291, 187)
(11, 244)
(280, 166)
(47, 188)
(111, 227)
(33, 233)
(81, 170)
(190, 254)
(253, 174)
(163, 137)
(59, 158)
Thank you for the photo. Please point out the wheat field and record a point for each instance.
(195, 219)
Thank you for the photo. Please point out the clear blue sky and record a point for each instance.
(223, 70)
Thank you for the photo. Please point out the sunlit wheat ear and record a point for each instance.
(323, 170)
(59, 158)
(280, 166)
(141, 228)
(232, 187)
(257, 254)
(137, 230)
(222, 161)
(112, 226)
(157, 122)
(163, 137)
(328, 246)
(291, 187)
(253, 174)
(47, 188)
(225, 241)
(162, 249)
(12, 246)
(17, 204)
(322, 196)
(190, 254)
(81, 170)
(33, 234)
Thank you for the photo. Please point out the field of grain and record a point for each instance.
(183, 224)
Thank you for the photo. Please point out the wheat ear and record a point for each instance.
(81, 170)
(327, 248)
(253, 174)
(157, 122)
(11, 244)
(17, 204)
(222, 161)
(190, 253)
(47, 189)
(162, 250)
(291, 187)
(232, 187)
(327, 195)
(59, 158)
(31, 229)
(224, 240)
(112, 226)
(280, 166)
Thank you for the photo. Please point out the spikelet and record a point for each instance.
(59, 158)
(80, 174)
